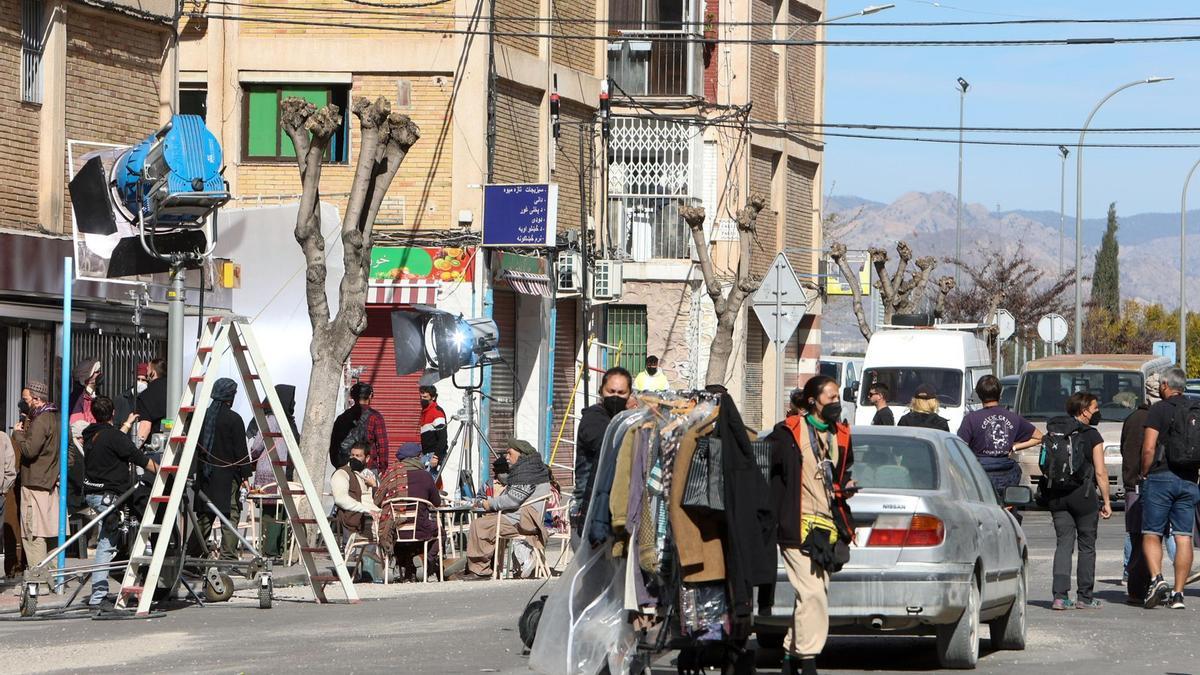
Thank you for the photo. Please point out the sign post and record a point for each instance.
(1006, 325)
(780, 304)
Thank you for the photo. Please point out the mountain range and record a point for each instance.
(1149, 245)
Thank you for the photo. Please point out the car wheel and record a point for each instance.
(1008, 631)
(958, 643)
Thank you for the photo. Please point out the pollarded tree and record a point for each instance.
(901, 291)
(726, 304)
(386, 137)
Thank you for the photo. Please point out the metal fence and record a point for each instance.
(32, 44)
(648, 226)
(652, 170)
(118, 355)
(656, 63)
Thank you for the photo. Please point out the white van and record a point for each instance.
(847, 370)
(949, 357)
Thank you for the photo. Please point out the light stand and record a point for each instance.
(468, 430)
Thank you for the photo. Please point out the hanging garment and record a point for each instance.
(697, 537)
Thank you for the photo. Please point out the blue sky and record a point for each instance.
(1051, 86)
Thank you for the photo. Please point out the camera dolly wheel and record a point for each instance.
(264, 592)
(218, 587)
(29, 600)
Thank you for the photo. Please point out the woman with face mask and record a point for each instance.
(810, 474)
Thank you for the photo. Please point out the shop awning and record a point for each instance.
(382, 293)
(528, 283)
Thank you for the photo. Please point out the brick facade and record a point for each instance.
(574, 18)
(712, 15)
(113, 67)
(798, 221)
(518, 143)
(19, 147)
(419, 196)
(367, 22)
(802, 66)
(570, 200)
(524, 10)
(764, 62)
(763, 164)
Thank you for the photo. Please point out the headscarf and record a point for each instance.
(529, 470)
(223, 392)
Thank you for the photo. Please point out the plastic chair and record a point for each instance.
(561, 531)
(539, 550)
(404, 512)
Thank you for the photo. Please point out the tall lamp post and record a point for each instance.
(1062, 206)
(963, 86)
(870, 9)
(1182, 274)
(1079, 206)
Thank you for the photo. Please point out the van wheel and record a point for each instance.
(1008, 631)
(958, 643)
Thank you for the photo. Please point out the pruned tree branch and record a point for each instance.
(694, 217)
(837, 253)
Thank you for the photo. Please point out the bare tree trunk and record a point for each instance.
(726, 307)
(386, 138)
(837, 253)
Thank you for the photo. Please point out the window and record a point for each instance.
(627, 327)
(263, 140)
(193, 100)
(1044, 392)
(960, 471)
(902, 383)
(32, 44)
(983, 485)
(894, 462)
(651, 172)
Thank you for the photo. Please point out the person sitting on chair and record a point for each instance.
(409, 479)
(352, 493)
(528, 481)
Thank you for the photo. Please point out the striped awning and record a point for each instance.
(384, 293)
(528, 283)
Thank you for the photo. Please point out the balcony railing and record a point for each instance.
(656, 63)
(649, 226)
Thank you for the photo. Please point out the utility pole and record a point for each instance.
(1062, 206)
(963, 86)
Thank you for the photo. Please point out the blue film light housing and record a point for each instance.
(173, 178)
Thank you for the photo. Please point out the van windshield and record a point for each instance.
(902, 384)
(1044, 392)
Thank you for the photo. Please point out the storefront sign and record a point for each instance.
(520, 214)
(421, 264)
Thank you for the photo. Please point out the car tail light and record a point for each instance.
(915, 531)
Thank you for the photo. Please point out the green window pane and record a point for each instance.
(627, 327)
(263, 133)
(318, 96)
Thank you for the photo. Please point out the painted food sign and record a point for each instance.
(422, 264)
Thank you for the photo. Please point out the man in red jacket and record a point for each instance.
(433, 428)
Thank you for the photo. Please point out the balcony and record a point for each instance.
(657, 63)
(648, 226)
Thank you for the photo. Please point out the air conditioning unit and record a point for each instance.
(606, 281)
(570, 264)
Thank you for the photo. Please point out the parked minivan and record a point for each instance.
(948, 357)
(1118, 380)
(847, 370)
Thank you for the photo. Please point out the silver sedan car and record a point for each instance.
(934, 550)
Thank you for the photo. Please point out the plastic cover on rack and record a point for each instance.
(583, 625)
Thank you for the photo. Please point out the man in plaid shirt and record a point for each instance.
(376, 430)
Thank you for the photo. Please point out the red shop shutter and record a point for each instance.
(396, 396)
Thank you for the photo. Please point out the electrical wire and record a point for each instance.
(405, 5)
(683, 39)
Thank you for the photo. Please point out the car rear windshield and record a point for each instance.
(894, 462)
(902, 383)
(1044, 392)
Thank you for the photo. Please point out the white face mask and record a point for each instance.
(141, 386)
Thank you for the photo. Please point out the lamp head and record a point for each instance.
(1154, 78)
(963, 85)
(1063, 149)
(876, 8)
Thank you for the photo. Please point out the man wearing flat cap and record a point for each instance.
(518, 510)
(37, 440)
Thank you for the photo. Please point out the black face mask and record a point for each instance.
(357, 464)
(23, 407)
(651, 371)
(1095, 419)
(615, 404)
(425, 403)
(831, 413)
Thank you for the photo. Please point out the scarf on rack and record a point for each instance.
(223, 392)
(529, 470)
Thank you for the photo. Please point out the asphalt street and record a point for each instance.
(460, 627)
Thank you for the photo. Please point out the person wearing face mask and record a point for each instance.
(811, 456)
(615, 389)
(353, 491)
(433, 429)
(124, 418)
(651, 379)
(1073, 508)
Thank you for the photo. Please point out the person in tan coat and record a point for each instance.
(37, 440)
(8, 469)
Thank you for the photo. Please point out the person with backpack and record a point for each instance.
(1072, 465)
(1169, 471)
(360, 423)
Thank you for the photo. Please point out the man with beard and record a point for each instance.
(528, 481)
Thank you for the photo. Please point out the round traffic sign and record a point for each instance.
(1006, 325)
(1052, 328)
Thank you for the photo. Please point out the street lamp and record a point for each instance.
(963, 86)
(1062, 206)
(1079, 206)
(870, 9)
(1182, 275)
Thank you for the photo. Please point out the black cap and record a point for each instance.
(926, 392)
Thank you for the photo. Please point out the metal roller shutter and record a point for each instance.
(566, 348)
(502, 422)
(396, 396)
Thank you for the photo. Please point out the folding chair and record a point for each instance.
(539, 537)
(404, 512)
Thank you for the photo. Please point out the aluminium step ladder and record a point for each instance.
(220, 338)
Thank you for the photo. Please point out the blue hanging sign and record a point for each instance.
(520, 214)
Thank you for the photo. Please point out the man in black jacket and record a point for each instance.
(615, 389)
(223, 467)
(111, 456)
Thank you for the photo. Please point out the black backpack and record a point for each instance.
(1062, 462)
(1183, 441)
(356, 435)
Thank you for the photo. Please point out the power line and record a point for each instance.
(690, 38)
(1030, 130)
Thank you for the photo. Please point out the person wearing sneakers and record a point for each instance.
(1169, 491)
(1073, 509)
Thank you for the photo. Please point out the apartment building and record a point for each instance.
(684, 72)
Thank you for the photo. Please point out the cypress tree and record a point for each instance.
(1106, 291)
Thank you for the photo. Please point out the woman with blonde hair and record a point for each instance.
(923, 411)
